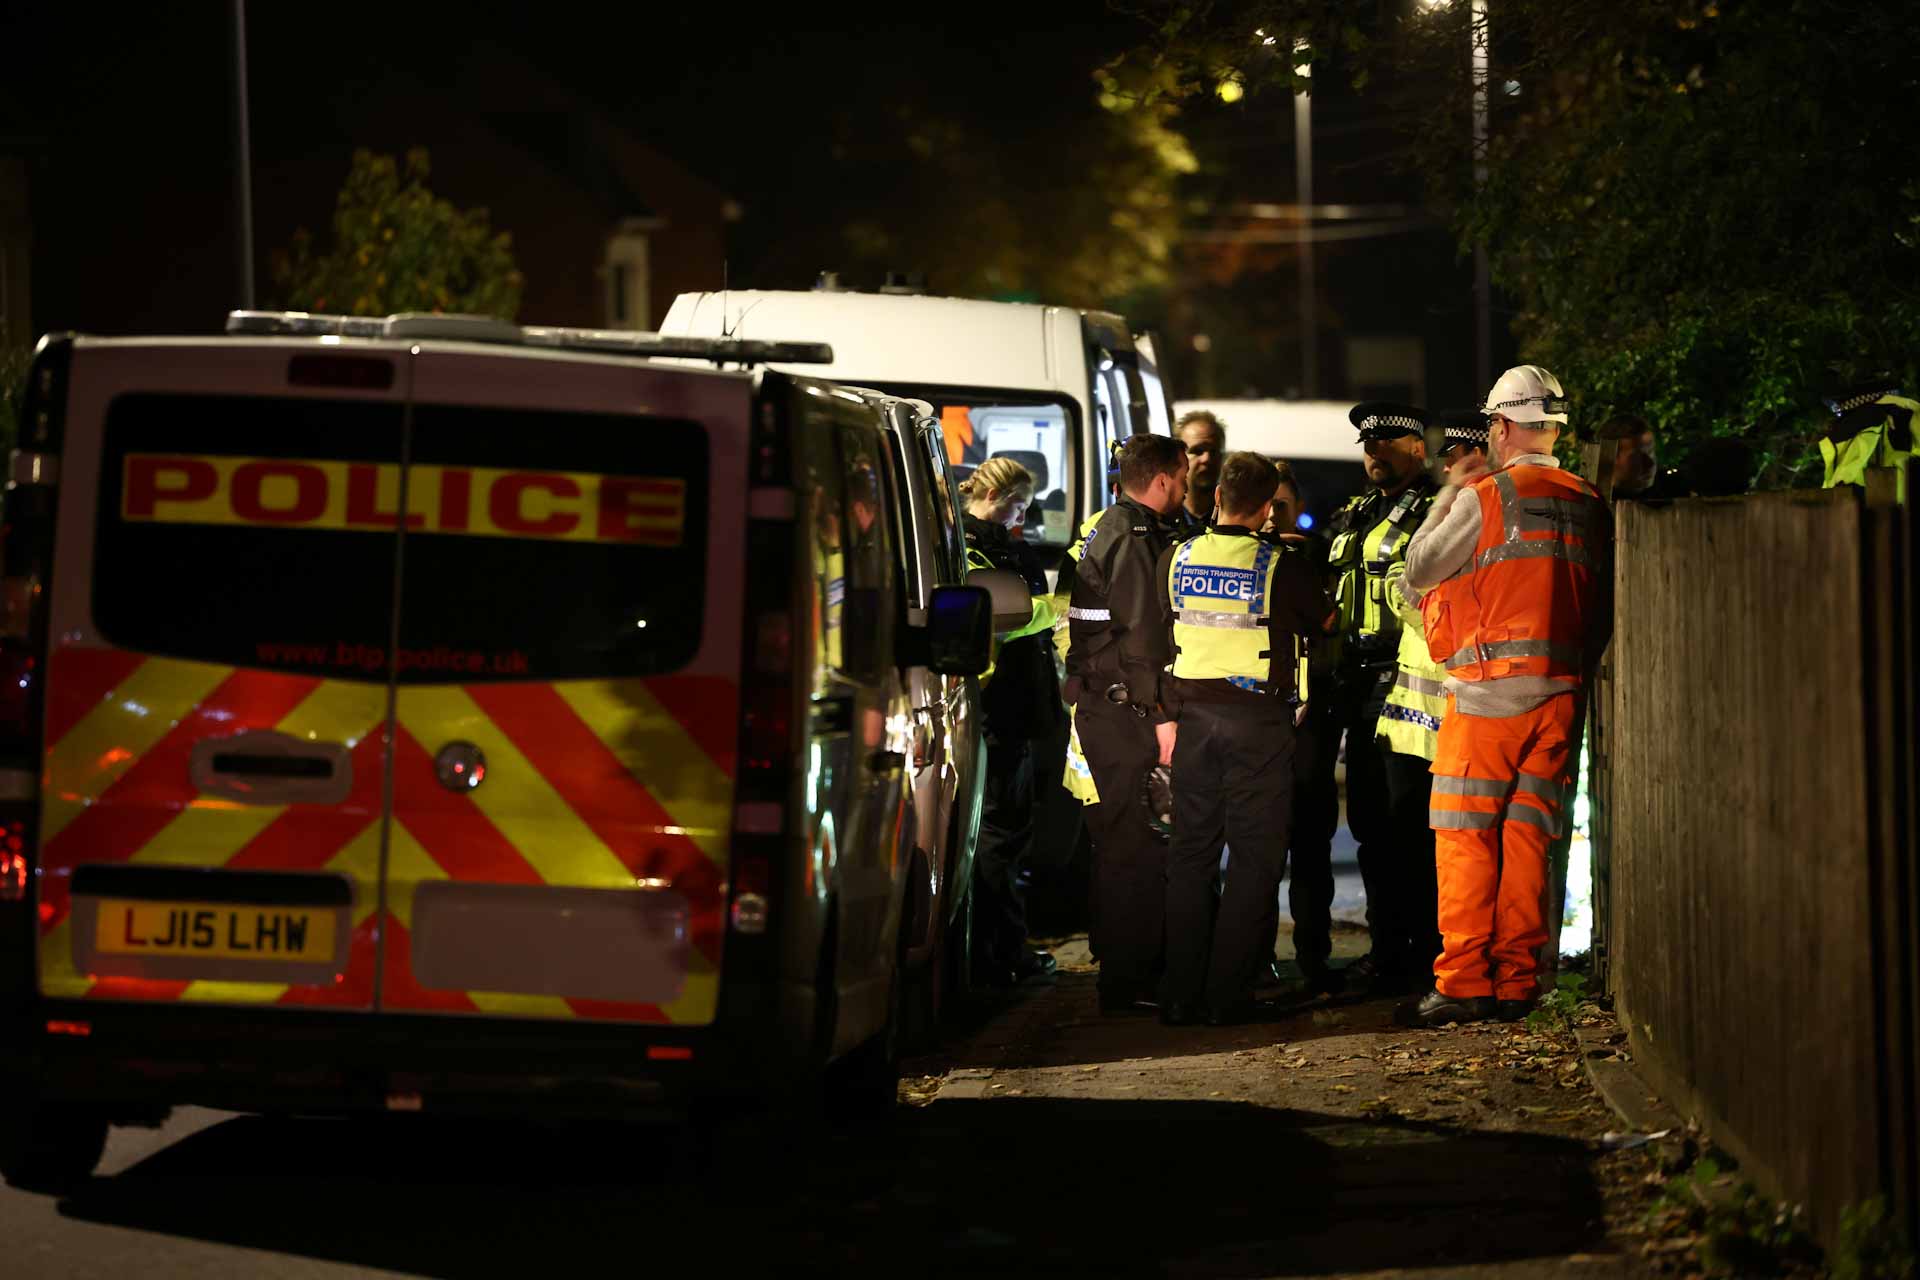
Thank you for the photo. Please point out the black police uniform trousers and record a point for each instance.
(1408, 938)
(1351, 707)
(1232, 786)
(1129, 860)
(1000, 854)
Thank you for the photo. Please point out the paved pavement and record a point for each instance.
(1047, 1141)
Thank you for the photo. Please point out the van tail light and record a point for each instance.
(764, 785)
(14, 866)
(26, 550)
(766, 731)
(773, 643)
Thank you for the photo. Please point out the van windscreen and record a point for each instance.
(1035, 430)
(261, 532)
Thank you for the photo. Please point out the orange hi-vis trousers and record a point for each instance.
(1500, 797)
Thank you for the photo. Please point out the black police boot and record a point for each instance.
(1028, 963)
(1118, 1003)
(1320, 980)
(1179, 1013)
(1233, 1015)
(1375, 977)
(1512, 1010)
(1436, 1009)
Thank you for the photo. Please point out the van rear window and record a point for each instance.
(604, 568)
(261, 532)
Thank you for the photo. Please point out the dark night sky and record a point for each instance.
(126, 111)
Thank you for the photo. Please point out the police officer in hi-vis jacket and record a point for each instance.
(1370, 536)
(1241, 610)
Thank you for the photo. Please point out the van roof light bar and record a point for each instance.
(718, 350)
(465, 328)
(406, 324)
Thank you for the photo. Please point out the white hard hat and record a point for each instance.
(1528, 393)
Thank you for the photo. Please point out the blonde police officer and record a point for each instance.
(1237, 605)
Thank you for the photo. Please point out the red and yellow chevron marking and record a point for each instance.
(591, 784)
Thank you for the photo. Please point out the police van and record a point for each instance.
(432, 713)
(1052, 387)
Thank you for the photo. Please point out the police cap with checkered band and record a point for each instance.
(1387, 420)
(1462, 429)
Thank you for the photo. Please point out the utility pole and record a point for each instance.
(1303, 196)
(243, 157)
(1482, 279)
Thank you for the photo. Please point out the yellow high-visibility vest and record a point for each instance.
(1220, 584)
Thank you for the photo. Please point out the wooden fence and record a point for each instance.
(1757, 856)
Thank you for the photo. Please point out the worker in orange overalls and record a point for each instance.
(1515, 565)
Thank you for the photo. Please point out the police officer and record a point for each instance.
(1241, 608)
(1020, 701)
(1370, 536)
(1408, 733)
(1463, 435)
(1206, 439)
(1872, 427)
(1120, 646)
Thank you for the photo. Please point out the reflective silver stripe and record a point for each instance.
(1534, 818)
(1446, 785)
(1509, 504)
(1214, 618)
(1078, 614)
(1420, 684)
(1461, 820)
(1538, 548)
(1513, 649)
(1548, 789)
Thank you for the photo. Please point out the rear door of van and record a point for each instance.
(567, 687)
(216, 702)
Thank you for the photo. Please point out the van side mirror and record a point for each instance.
(1012, 601)
(959, 631)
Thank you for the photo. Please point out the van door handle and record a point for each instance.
(261, 766)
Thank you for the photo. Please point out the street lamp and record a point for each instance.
(1303, 196)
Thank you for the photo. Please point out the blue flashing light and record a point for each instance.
(1305, 521)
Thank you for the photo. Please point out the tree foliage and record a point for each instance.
(398, 247)
(1705, 211)
(1077, 206)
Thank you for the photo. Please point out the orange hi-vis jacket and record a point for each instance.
(1523, 606)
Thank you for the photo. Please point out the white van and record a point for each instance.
(1314, 436)
(427, 712)
(1051, 386)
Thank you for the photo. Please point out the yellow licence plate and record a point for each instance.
(224, 930)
